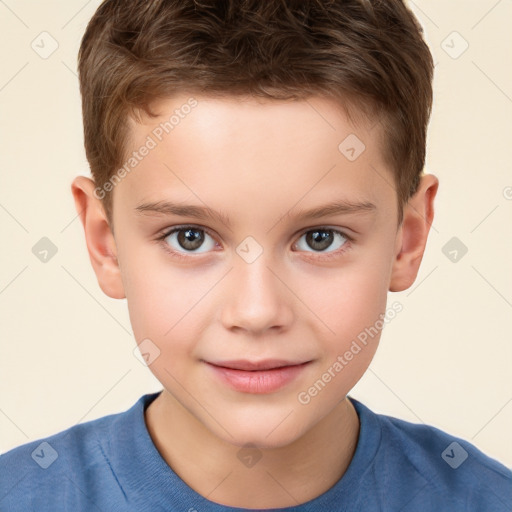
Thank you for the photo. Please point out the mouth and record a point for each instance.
(264, 376)
(253, 366)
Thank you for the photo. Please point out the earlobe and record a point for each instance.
(413, 234)
(98, 236)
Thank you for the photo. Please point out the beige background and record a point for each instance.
(67, 349)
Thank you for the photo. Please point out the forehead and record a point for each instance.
(247, 150)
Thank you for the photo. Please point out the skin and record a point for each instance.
(258, 162)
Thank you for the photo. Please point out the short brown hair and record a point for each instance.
(369, 54)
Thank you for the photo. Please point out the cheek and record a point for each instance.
(158, 316)
(348, 305)
(166, 304)
(352, 309)
(343, 301)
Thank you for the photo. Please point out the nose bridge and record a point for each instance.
(256, 299)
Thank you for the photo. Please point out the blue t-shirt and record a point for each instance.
(111, 464)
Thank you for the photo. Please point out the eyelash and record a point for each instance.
(324, 256)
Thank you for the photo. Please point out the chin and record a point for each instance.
(263, 434)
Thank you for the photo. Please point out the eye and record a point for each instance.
(188, 239)
(183, 241)
(320, 239)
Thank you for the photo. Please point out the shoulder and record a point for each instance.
(447, 466)
(68, 464)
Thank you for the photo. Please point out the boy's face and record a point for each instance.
(264, 282)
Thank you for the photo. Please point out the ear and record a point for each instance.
(98, 236)
(413, 233)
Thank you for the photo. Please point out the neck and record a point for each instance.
(281, 477)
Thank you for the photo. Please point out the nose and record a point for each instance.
(256, 299)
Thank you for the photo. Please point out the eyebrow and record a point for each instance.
(335, 208)
(203, 212)
(182, 210)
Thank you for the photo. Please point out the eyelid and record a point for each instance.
(341, 231)
(168, 231)
(348, 233)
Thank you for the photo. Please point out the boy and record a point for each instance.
(257, 190)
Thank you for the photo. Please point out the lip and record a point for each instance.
(264, 364)
(257, 377)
